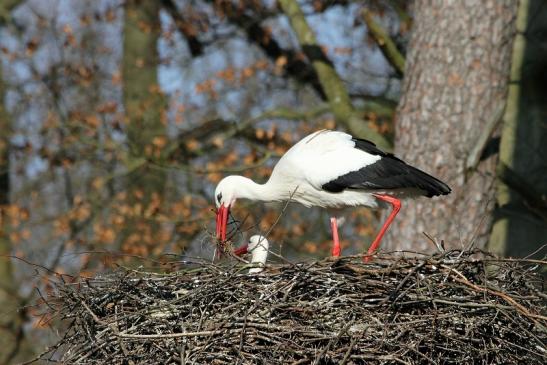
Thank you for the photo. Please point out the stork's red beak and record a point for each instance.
(241, 251)
(222, 221)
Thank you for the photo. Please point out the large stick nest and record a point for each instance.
(454, 308)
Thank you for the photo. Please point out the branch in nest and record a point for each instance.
(395, 310)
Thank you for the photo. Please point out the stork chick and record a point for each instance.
(258, 247)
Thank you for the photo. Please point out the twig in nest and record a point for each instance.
(401, 310)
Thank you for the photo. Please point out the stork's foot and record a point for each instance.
(396, 204)
(367, 258)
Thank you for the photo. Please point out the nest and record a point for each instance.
(451, 308)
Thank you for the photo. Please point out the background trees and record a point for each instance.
(121, 116)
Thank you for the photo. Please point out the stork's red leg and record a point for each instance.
(396, 203)
(336, 250)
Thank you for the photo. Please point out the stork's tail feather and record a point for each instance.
(429, 184)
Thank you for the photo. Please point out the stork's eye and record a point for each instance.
(219, 197)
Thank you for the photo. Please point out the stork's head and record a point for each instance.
(225, 197)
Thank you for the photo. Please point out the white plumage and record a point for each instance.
(258, 246)
(331, 169)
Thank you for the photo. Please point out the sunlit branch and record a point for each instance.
(384, 41)
(331, 82)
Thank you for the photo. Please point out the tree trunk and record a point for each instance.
(144, 103)
(521, 216)
(145, 107)
(13, 343)
(456, 80)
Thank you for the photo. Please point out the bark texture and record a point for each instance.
(456, 78)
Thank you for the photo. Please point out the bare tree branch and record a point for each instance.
(295, 65)
(480, 143)
(384, 41)
(185, 27)
(331, 82)
(210, 130)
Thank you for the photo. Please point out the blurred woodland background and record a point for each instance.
(119, 117)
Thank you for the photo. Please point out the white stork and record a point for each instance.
(258, 247)
(332, 169)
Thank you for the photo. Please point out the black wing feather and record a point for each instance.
(387, 173)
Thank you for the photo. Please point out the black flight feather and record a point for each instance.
(389, 172)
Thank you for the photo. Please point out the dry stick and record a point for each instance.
(350, 348)
(536, 251)
(303, 302)
(527, 261)
(471, 304)
(430, 360)
(301, 361)
(520, 324)
(463, 280)
(536, 290)
(183, 351)
(439, 246)
(120, 341)
(241, 340)
(282, 212)
(167, 335)
(331, 341)
(285, 206)
(475, 232)
(184, 334)
(403, 282)
(179, 335)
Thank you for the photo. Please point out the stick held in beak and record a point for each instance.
(241, 250)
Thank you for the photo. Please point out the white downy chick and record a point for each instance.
(258, 247)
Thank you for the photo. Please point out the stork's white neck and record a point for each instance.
(247, 189)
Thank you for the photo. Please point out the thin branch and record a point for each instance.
(292, 312)
(384, 41)
(519, 307)
(185, 27)
(476, 150)
(249, 19)
(211, 130)
(331, 83)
